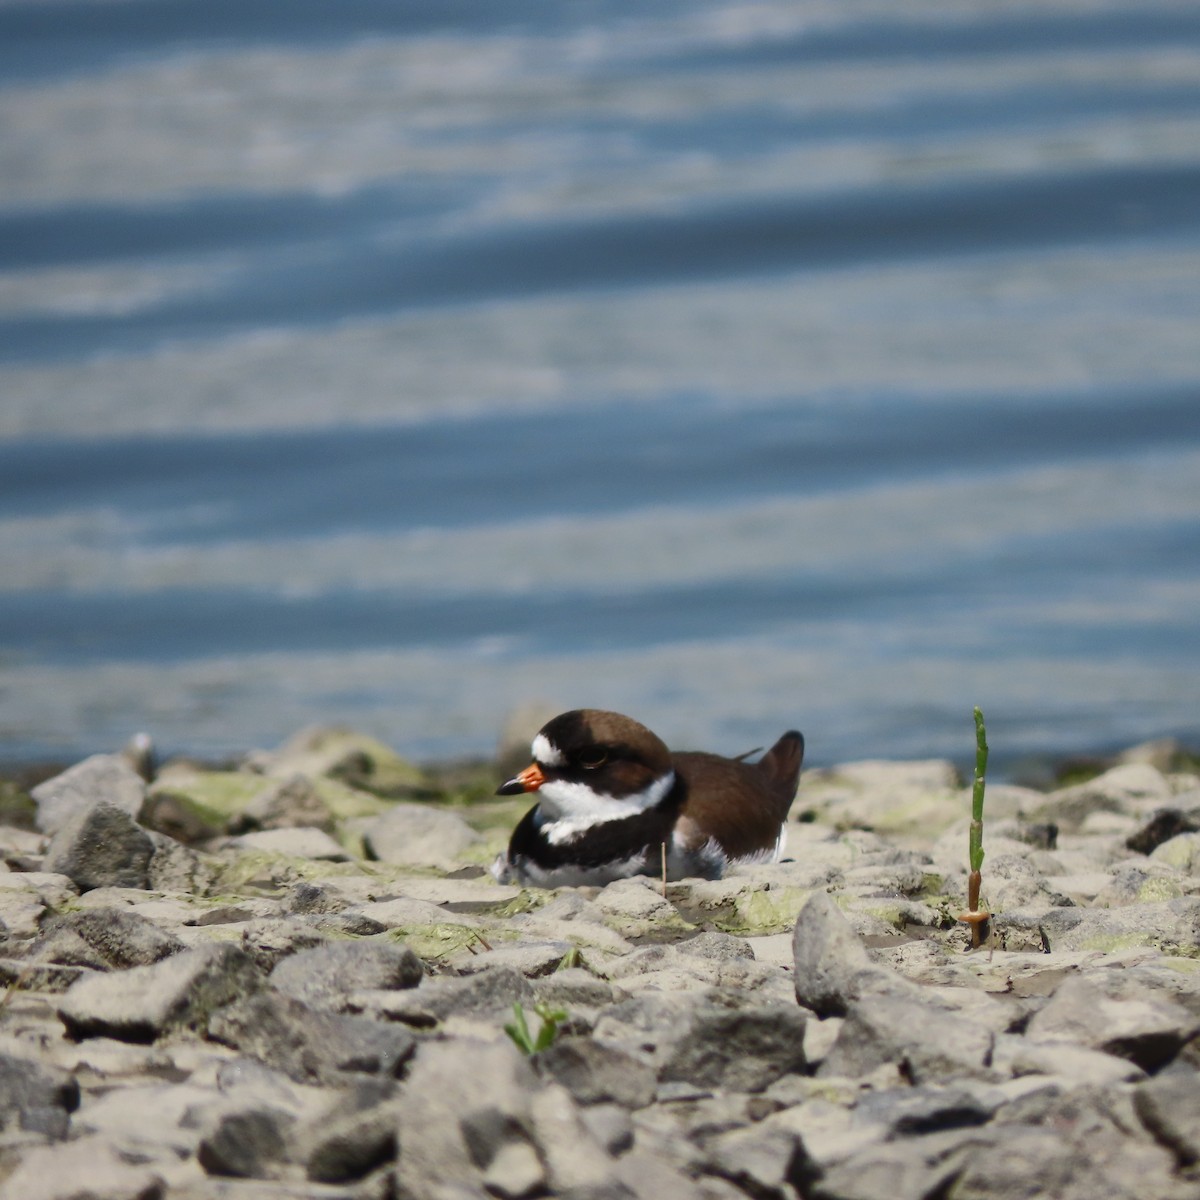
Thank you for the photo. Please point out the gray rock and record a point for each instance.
(832, 967)
(351, 1145)
(766, 1162)
(285, 803)
(910, 1169)
(247, 1145)
(39, 977)
(649, 1022)
(891, 879)
(325, 976)
(514, 1172)
(176, 868)
(1132, 789)
(718, 947)
(355, 759)
(1163, 753)
(1165, 824)
(296, 842)
(1115, 1155)
(1041, 836)
(308, 1044)
(1172, 925)
(272, 939)
(928, 1108)
(462, 1103)
(898, 797)
(105, 938)
(741, 1050)
(177, 816)
(23, 908)
(1169, 1106)
(101, 779)
(490, 993)
(248, 909)
(149, 1120)
(656, 958)
(416, 835)
(534, 959)
(575, 988)
(1181, 852)
(1148, 1029)
(1013, 882)
(819, 1038)
(1040, 1101)
(576, 1165)
(680, 1130)
(472, 1116)
(630, 903)
(651, 1176)
(930, 1045)
(36, 1098)
(1020, 1056)
(665, 968)
(101, 846)
(251, 1084)
(571, 906)
(595, 1073)
(1138, 882)
(1070, 1158)
(142, 1003)
(86, 1169)
(610, 1125)
(343, 925)
(1028, 1163)
(309, 898)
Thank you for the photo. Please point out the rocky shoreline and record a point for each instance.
(291, 979)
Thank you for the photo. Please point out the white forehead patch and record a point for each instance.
(546, 752)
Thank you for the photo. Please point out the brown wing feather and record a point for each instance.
(741, 805)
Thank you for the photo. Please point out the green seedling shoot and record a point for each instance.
(976, 917)
(981, 758)
(518, 1028)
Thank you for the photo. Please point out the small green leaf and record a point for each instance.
(550, 1018)
(518, 1030)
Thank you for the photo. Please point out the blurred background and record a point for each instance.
(831, 364)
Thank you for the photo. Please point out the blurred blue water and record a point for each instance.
(739, 367)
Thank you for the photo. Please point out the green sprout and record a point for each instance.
(976, 917)
(981, 757)
(518, 1028)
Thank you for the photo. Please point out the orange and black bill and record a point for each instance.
(529, 780)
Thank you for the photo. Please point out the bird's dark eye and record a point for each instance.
(593, 757)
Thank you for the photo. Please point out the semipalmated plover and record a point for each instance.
(611, 796)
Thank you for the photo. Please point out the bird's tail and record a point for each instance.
(781, 766)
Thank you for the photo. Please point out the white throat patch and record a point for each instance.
(570, 809)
